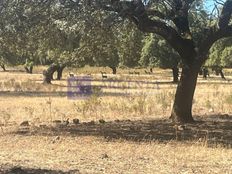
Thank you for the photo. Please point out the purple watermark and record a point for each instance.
(79, 87)
(82, 87)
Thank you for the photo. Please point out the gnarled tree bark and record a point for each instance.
(60, 71)
(175, 74)
(3, 67)
(182, 107)
(48, 74)
(114, 69)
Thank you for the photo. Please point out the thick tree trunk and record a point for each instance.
(218, 71)
(27, 70)
(182, 107)
(30, 69)
(60, 72)
(205, 72)
(221, 74)
(175, 73)
(46, 77)
(114, 70)
(49, 73)
(3, 67)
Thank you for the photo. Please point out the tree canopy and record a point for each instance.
(99, 32)
(175, 21)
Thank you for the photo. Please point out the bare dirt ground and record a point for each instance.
(116, 134)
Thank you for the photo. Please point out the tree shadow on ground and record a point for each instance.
(21, 170)
(212, 130)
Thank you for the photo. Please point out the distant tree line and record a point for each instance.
(114, 33)
(49, 33)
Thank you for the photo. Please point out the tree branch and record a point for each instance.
(140, 15)
(225, 14)
(155, 13)
(183, 46)
(212, 38)
(224, 30)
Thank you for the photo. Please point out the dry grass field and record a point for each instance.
(124, 125)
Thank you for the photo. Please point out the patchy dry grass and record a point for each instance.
(23, 97)
(95, 155)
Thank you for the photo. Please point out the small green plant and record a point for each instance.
(6, 117)
(208, 104)
(228, 99)
(140, 104)
(96, 90)
(91, 105)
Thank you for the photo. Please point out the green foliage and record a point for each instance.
(129, 45)
(75, 33)
(157, 53)
(98, 43)
(221, 53)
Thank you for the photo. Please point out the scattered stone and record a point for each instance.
(20, 170)
(117, 121)
(104, 156)
(25, 123)
(56, 121)
(225, 116)
(76, 121)
(144, 158)
(60, 123)
(101, 121)
(42, 125)
(65, 123)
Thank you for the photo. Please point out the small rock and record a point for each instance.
(66, 122)
(42, 125)
(25, 123)
(56, 121)
(225, 116)
(117, 121)
(144, 158)
(104, 156)
(76, 121)
(63, 123)
(102, 121)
